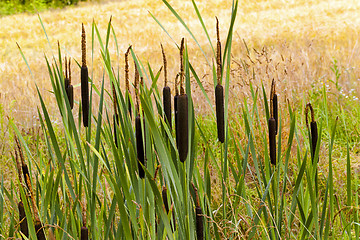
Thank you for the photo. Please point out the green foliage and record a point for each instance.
(8, 7)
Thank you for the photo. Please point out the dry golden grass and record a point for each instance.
(308, 34)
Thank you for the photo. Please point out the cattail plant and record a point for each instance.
(199, 224)
(68, 87)
(219, 90)
(182, 131)
(272, 126)
(127, 84)
(313, 130)
(166, 92)
(84, 81)
(139, 136)
(38, 226)
(22, 216)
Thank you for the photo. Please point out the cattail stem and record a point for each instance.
(218, 54)
(84, 81)
(182, 75)
(127, 84)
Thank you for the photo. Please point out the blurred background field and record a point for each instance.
(301, 39)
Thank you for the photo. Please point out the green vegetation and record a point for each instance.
(115, 179)
(8, 7)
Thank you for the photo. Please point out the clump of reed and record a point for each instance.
(84, 80)
(40, 234)
(166, 92)
(219, 90)
(68, 87)
(182, 129)
(22, 216)
(272, 122)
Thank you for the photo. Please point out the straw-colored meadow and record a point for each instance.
(308, 35)
(309, 48)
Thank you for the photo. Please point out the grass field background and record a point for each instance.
(307, 35)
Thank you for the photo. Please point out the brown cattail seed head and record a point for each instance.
(68, 87)
(22, 219)
(84, 235)
(219, 100)
(164, 197)
(167, 104)
(116, 123)
(84, 81)
(272, 140)
(275, 111)
(85, 95)
(139, 146)
(40, 234)
(199, 223)
(182, 130)
(313, 129)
